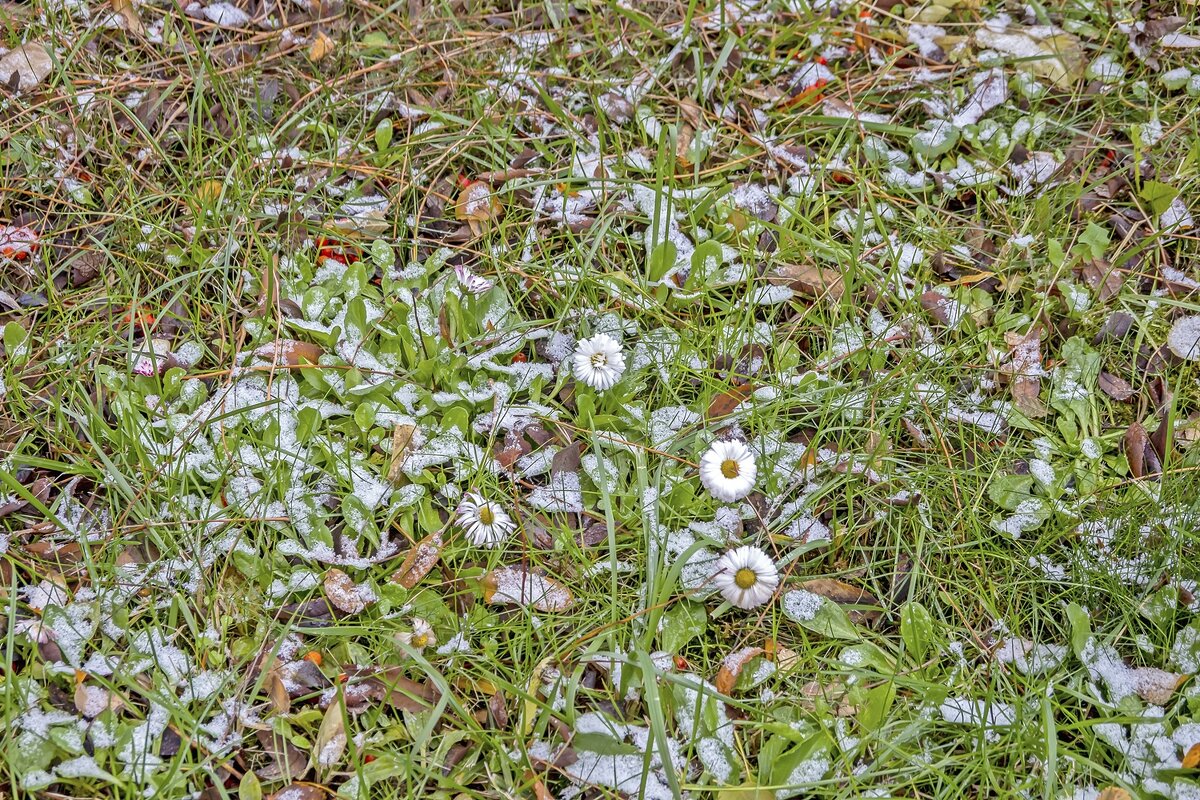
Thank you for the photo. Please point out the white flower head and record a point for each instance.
(422, 635)
(746, 577)
(728, 470)
(484, 522)
(598, 361)
(473, 283)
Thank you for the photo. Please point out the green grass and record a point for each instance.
(193, 575)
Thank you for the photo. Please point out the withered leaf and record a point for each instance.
(1114, 793)
(523, 587)
(420, 560)
(1025, 369)
(1103, 279)
(344, 594)
(402, 439)
(300, 791)
(723, 404)
(478, 206)
(809, 280)
(848, 595)
(731, 667)
(289, 352)
(567, 459)
(128, 12)
(399, 691)
(1191, 759)
(330, 743)
(1115, 387)
(1140, 453)
(288, 762)
(322, 46)
(1156, 686)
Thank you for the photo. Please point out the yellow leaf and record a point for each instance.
(127, 10)
(321, 47)
(209, 191)
(1192, 759)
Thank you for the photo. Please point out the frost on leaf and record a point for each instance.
(522, 587)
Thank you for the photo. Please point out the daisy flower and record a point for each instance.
(473, 283)
(484, 522)
(746, 577)
(598, 361)
(728, 470)
(422, 635)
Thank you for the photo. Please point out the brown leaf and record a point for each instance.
(402, 437)
(809, 280)
(322, 46)
(731, 667)
(300, 791)
(1115, 387)
(420, 560)
(1113, 793)
(498, 711)
(1191, 759)
(330, 743)
(540, 792)
(1156, 686)
(942, 308)
(289, 352)
(26, 66)
(281, 699)
(723, 404)
(1103, 279)
(846, 594)
(524, 587)
(344, 594)
(400, 692)
(288, 762)
(1025, 368)
(478, 205)
(1143, 461)
(128, 11)
(567, 459)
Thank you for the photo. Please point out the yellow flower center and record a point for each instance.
(745, 578)
(420, 640)
(486, 515)
(599, 360)
(730, 468)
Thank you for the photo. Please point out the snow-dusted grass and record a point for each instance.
(256, 449)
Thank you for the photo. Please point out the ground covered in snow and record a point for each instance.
(360, 364)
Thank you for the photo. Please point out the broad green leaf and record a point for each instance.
(681, 623)
(819, 615)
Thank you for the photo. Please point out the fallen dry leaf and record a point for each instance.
(300, 791)
(809, 280)
(321, 47)
(1156, 686)
(330, 743)
(1059, 58)
(402, 439)
(847, 595)
(420, 560)
(1024, 368)
(128, 12)
(1143, 461)
(1115, 387)
(1113, 793)
(522, 587)
(31, 63)
(731, 667)
(726, 401)
(289, 352)
(344, 594)
(478, 206)
(1191, 759)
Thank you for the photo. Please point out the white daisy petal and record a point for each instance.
(746, 577)
(598, 361)
(728, 470)
(483, 521)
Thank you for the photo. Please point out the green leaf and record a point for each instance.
(382, 254)
(820, 615)
(661, 259)
(604, 745)
(1054, 252)
(1009, 491)
(681, 623)
(249, 787)
(1096, 239)
(1081, 627)
(916, 630)
(706, 259)
(874, 708)
(1158, 195)
(383, 133)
